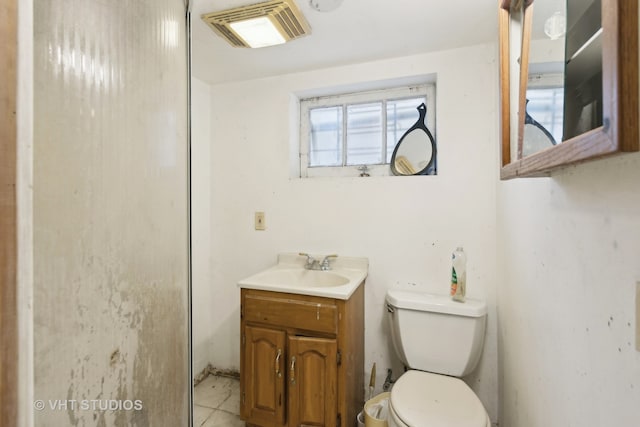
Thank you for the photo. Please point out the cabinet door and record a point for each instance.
(263, 376)
(312, 382)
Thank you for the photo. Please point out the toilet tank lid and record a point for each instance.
(422, 301)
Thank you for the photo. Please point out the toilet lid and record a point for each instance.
(422, 398)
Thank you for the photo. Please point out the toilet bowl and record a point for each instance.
(438, 340)
(430, 400)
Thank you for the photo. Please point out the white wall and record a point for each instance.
(567, 247)
(569, 250)
(406, 226)
(202, 290)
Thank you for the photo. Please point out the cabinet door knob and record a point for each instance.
(278, 373)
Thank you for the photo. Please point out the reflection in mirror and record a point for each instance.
(516, 28)
(565, 58)
(545, 80)
(583, 67)
(415, 153)
(536, 136)
(545, 100)
(584, 96)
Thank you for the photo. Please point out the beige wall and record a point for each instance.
(569, 250)
(203, 319)
(110, 212)
(561, 284)
(406, 226)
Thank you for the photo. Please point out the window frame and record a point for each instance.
(428, 90)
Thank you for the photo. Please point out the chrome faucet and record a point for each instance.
(324, 265)
(314, 264)
(311, 264)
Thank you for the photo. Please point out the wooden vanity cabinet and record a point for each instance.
(302, 359)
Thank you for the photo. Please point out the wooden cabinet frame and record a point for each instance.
(619, 132)
(321, 365)
(8, 214)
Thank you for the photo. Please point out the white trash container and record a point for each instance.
(376, 411)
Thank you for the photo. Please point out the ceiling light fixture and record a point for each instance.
(258, 32)
(259, 25)
(556, 26)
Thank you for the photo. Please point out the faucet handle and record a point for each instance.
(325, 262)
(310, 259)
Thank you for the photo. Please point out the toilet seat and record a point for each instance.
(425, 399)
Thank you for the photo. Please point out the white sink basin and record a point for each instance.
(289, 275)
(301, 278)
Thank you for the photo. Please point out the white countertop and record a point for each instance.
(289, 275)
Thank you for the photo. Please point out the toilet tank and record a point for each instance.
(435, 334)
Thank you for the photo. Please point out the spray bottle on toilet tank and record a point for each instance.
(458, 275)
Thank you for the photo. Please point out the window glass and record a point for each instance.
(326, 142)
(364, 134)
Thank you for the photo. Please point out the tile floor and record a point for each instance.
(216, 402)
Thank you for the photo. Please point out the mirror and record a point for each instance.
(568, 82)
(544, 90)
(415, 152)
(536, 136)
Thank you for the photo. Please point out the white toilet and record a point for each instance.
(438, 340)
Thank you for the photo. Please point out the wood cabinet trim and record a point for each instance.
(348, 336)
(281, 310)
(8, 215)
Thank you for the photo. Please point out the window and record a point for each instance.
(342, 133)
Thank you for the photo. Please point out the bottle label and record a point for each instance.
(454, 281)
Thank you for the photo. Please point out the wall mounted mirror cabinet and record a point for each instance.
(568, 82)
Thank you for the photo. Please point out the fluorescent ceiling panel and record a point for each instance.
(258, 32)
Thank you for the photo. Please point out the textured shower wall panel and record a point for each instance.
(110, 213)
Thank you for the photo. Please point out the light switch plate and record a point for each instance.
(259, 221)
